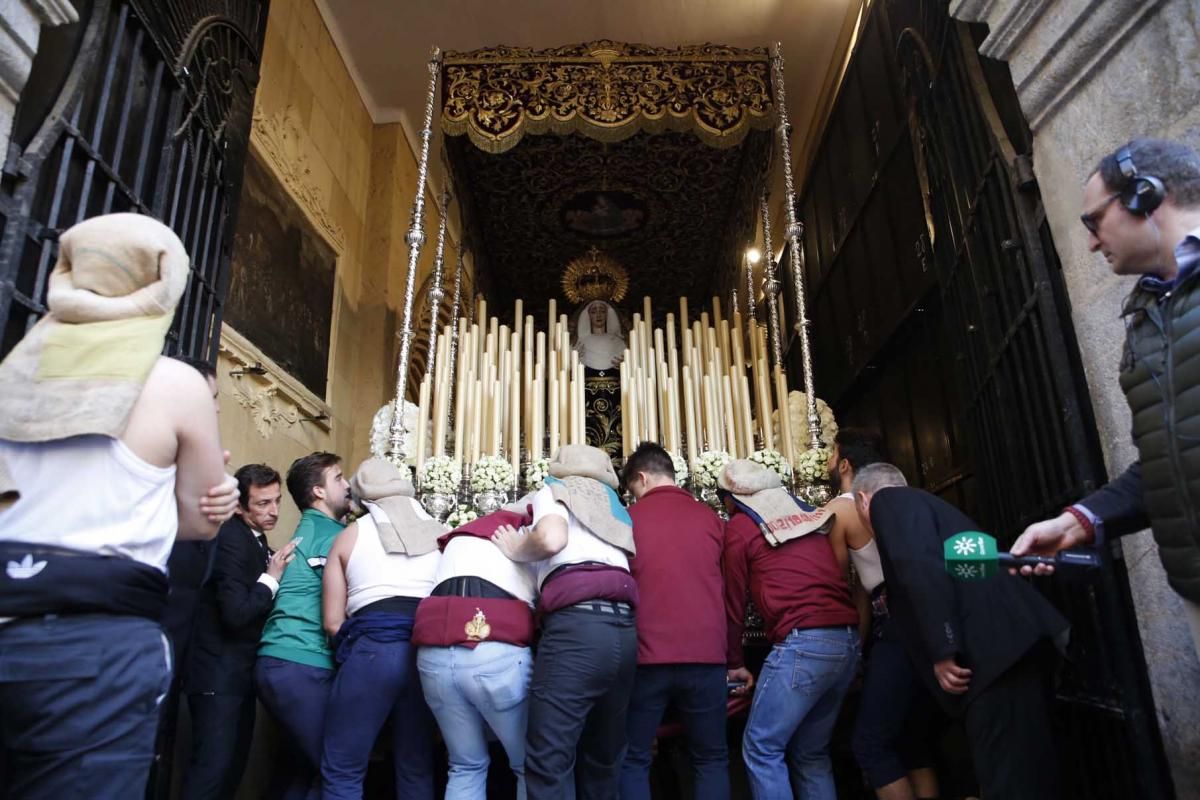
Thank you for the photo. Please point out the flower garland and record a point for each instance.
(813, 466)
(773, 460)
(536, 474)
(492, 474)
(441, 475)
(460, 516)
(709, 466)
(681, 469)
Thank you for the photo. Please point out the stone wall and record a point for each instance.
(1092, 74)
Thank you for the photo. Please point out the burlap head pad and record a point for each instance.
(390, 499)
(582, 479)
(111, 298)
(759, 491)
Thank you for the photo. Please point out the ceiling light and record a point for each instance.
(753, 255)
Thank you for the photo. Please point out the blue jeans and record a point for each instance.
(699, 693)
(295, 695)
(470, 691)
(796, 703)
(79, 705)
(377, 680)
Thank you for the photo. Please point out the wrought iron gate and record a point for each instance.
(1022, 395)
(144, 106)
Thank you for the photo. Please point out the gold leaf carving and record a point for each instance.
(278, 138)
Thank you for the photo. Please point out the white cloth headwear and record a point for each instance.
(599, 350)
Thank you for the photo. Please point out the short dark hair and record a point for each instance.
(648, 457)
(249, 475)
(859, 446)
(1175, 164)
(200, 365)
(307, 472)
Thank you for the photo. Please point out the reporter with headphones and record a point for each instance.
(1142, 211)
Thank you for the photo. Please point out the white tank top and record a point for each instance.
(866, 560)
(372, 574)
(470, 555)
(91, 493)
(582, 544)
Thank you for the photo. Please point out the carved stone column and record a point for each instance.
(21, 24)
(1091, 75)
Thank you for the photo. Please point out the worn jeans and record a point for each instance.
(472, 690)
(79, 704)
(377, 680)
(796, 703)
(698, 692)
(296, 695)
(582, 678)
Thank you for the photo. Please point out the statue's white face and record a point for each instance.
(598, 316)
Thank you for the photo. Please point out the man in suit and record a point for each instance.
(234, 604)
(984, 647)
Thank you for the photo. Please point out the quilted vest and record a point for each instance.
(1160, 375)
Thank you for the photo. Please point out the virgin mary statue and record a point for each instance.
(600, 345)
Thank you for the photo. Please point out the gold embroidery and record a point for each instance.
(477, 629)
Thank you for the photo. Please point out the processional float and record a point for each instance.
(499, 396)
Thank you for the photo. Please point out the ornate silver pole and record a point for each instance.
(452, 366)
(435, 290)
(795, 230)
(770, 282)
(414, 238)
(733, 303)
(750, 315)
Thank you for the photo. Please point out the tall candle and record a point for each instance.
(727, 410)
(689, 413)
(785, 423)
(422, 421)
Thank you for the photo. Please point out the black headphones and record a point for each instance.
(1143, 193)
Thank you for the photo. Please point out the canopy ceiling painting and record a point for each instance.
(650, 158)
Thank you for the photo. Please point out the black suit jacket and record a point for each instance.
(987, 625)
(229, 621)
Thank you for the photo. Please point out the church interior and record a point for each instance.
(458, 235)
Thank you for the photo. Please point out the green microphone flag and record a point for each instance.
(971, 555)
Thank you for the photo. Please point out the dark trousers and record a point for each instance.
(1010, 731)
(222, 727)
(698, 692)
(296, 696)
(79, 701)
(896, 716)
(377, 679)
(582, 678)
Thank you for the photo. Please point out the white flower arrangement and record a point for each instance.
(709, 466)
(681, 469)
(813, 466)
(461, 516)
(773, 460)
(797, 408)
(536, 474)
(381, 432)
(441, 475)
(492, 474)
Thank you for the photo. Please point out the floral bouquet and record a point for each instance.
(797, 411)
(681, 469)
(492, 474)
(536, 474)
(812, 466)
(460, 516)
(709, 466)
(381, 432)
(441, 475)
(773, 460)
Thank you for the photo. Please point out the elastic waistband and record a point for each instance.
(391, 605)
(470, 586)
(827, 629)
(604, 607)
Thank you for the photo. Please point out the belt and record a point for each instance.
(470, 586)
(605, 607)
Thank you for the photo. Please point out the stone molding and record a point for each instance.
(1053, 48)
(277, 138)
(275, 399)
(21, 24)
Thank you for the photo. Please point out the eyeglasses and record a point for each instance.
(1091, 220)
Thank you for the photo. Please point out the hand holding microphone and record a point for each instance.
(973, 555)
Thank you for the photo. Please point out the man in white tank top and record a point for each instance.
(892, 737)
(113, 449)
(584, 669)
(378, 571)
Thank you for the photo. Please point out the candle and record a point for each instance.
(514, 423)
(785, 423)
(689, 413)
(748, 432)
(422, 421)
(728, 413)
(552, 379)
(646, 313)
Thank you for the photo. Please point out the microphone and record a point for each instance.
(973, 555)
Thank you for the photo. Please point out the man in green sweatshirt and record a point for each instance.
(295, 665)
